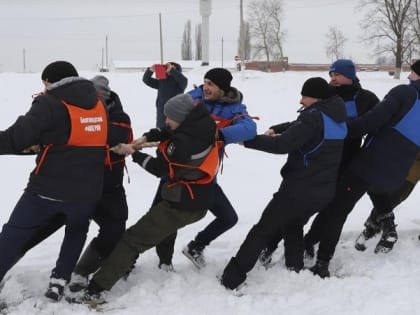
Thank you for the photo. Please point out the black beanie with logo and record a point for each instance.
(58, 70)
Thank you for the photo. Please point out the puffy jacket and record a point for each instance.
(230, 107)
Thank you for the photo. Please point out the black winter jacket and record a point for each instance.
(67, 173)
(387, 155)
(319, 174)
(195, 134)
(365, 100)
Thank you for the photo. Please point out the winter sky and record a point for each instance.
(33, 33)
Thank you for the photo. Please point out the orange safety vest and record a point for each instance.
(88, 128)
(209, 166)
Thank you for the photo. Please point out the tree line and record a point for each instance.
(391, 29)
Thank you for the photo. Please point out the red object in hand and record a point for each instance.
(160, 71)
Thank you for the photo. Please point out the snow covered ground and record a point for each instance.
(361, 282)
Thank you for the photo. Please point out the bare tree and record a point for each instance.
(335, 43)
(186, 45)
(387, 23)
(198, 43)
(415, 26)
(265, 18)
(276, 33)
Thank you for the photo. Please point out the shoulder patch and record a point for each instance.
(170, 148)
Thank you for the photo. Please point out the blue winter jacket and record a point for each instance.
(244, 128)
(387, 154)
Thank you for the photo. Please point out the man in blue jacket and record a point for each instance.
(224, 103)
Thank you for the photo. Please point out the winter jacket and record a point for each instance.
(195, 135)
(174, 84)
(119, 132)
(230, 107)
(364, 100)
(313, 160)
(387, 155)
(67, 173)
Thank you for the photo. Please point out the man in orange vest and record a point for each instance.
(68, 124)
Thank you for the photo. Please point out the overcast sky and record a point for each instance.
(41, 31)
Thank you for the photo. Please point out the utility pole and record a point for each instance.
(241, 31)
(106, 52)
(24, 60)
(161, 39)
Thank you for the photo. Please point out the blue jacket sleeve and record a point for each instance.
(243, 127)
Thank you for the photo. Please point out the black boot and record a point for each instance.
(372, 228)
(389, 234)
(320, 269)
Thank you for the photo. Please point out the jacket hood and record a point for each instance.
(75, 90)
(232, 96)
(333, 107)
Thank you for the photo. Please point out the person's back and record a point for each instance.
(69, 124)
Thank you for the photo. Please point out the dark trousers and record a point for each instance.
(350, 189)
(110, 214)
(384, 203)
(225, 218)
(283, 210)
(31, 214)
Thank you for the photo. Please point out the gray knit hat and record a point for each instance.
(178, 107)
(101, 84)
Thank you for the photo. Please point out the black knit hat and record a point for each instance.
(316, 87)
(416, 67)
(221, 77)
(58, 70)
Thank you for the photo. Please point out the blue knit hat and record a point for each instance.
(344, 67)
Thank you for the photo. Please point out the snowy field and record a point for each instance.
(361, 282)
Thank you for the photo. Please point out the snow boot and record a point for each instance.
(194, 252)
(320, 269)
(372, 228)
(389, 234)
(78, 282)
(55, 289)
(266, 257)
(166, 267)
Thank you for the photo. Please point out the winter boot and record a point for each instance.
(55, 289)
(266, 257)
(372, 228)
(320, 269)
(194, 252)
(389, 234)
(78, 282)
